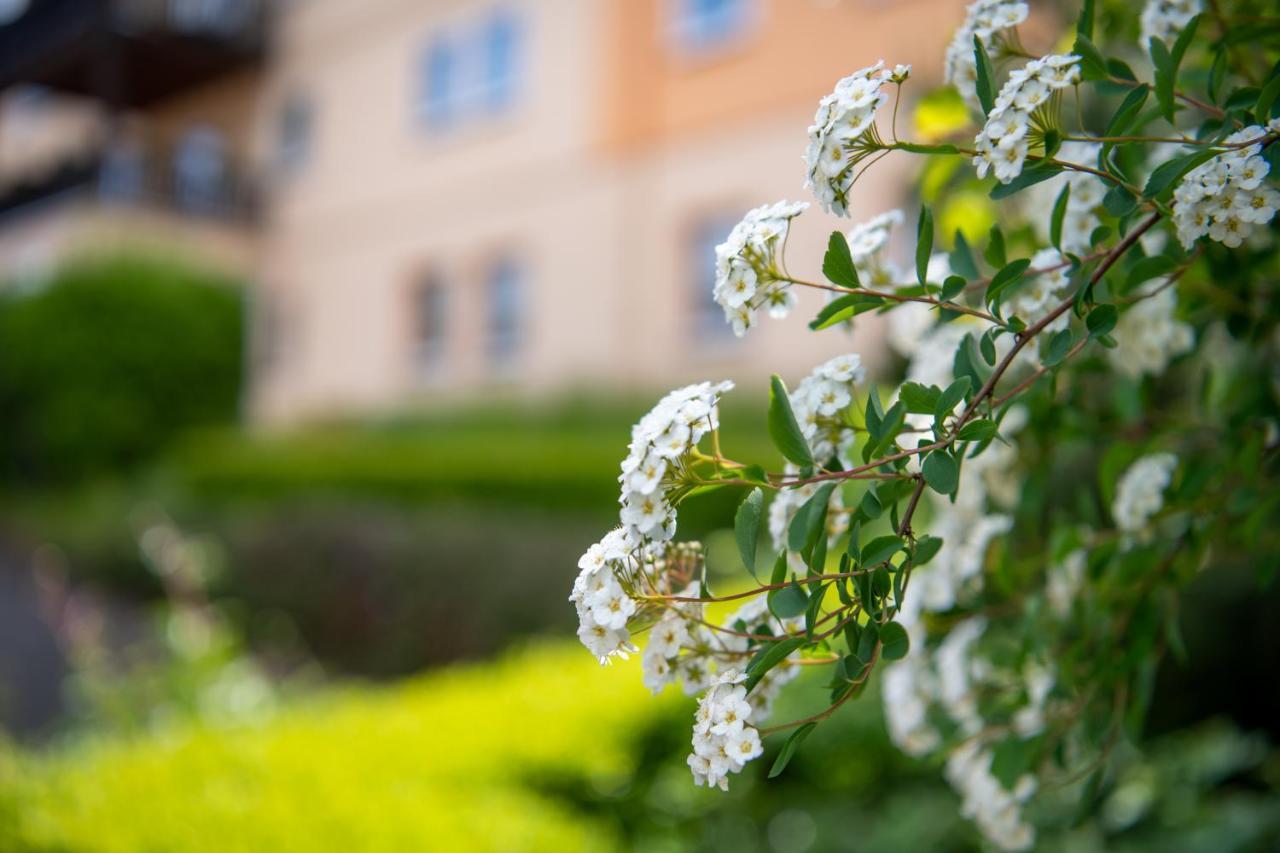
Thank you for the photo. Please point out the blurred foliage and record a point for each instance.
(543, 751)
(107, 361)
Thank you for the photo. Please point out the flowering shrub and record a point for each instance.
(1089, 415)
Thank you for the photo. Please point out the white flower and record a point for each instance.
(1064, 582)
(749, 272)
(1148, 337)
(1087, 191)
(661, 439)
(1003, 142)
(1140, 491)
(867, 243)
(835, 135)
(1225, 198)
(723, 738)
(983, 19)
(820, 397)
(1164, 19)
(995, 810)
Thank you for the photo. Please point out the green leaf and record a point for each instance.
(1119, 201)
(1030, 176)
(888, 431)
(769, 657)
(916, 148)
(844, 307)
(811, 612)
(1059, 214)
(783, 428)
(1165, 74)
(779, 569)
(1084, 27)
(968, 363)
(1059, 345)
(987, 346)
(1123, 118)
(1217, 73)
(980, 429)
(894, 642)
(921, 399)
(1007, 277)
(985, 83)
(1101, 320)
(810, 518)
(788, 602)
(1012, 758)
(1092, 65)
(924, 244)
(927, 547)
(1167, 174)
(789, 749)
(1146, 269)
(1267, 100)
(1166, 82)
(746, 527)
(952, 287)
(949, 398)
(880, 549)
(941, 472)
(962, 257)
(995, 254)
(870, 505)
(837, 264)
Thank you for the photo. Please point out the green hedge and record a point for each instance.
(104, 364)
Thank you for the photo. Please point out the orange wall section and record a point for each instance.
(790, 55)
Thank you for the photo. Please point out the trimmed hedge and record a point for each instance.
(102, 366)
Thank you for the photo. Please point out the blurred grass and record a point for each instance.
(441, 762)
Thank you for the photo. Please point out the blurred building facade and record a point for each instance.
(454, 199)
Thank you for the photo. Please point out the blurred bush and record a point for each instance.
(105, 363)
(543, 751)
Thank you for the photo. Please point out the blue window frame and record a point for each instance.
(293, 139)
(703, 25)
(503, 44)
(440, 74)
(472, 69)
(200, 171)
(506, 300)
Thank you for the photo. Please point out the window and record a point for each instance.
(293, 139)
(430, 316)
(502, 59)
(703, 25)
(471, 70)
(199, 167)
(122, 173)
(505, 309)
(709, 325)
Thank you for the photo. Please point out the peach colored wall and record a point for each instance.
(790, 54)
(602, 231)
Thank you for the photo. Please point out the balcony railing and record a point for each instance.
(130, 52)
(191, 185)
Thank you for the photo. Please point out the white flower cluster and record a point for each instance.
(1140, 491)
(659, 443)
(867, 241)
(842, 118)
(1226, 197)
(819, 400)
(602, 603)
(1165, 19)
(996, 811)
(1148, 336)
(723, 738)
(1003, 141)
(983, 19)
(1087, 192)
(817, 403)
(1034, 297)
(683, 646)
(749, 273)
